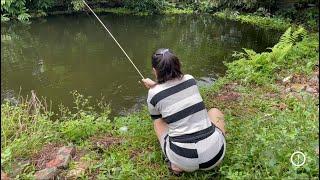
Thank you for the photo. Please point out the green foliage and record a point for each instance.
(84, 122)
(269, 137)
(263, 68)
(43, 4)
(205, 6)
(24, 131)
(149, 6)
(39, 6)
(4, 17)
(23, 17)
(262, 12)
(77, 4)
(265, 22)
(304, 12)
(241, 5)
(20, 9)
(84, 127)
(14, 8)
(21, 130)
(173, 10)
(120, 10)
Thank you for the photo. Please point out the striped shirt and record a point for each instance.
(192, 141)
(180, 104)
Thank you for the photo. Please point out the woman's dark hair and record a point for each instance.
(167, 65)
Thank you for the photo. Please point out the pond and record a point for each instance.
(59, 54)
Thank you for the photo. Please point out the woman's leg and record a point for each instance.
(217, 118)
(161, 127)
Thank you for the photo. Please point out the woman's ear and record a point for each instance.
(154, 72)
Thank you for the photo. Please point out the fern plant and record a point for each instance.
(24, 17)
(261, 68)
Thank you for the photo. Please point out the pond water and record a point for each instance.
(59, 54)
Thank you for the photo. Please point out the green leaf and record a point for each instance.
(24, 17)
(4, 18)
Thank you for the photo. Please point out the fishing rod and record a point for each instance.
(113, 38)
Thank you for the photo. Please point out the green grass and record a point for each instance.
(260, 136)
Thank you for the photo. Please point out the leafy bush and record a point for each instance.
(14, 8)
(21, 9)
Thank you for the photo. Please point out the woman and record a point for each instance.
(191, 138)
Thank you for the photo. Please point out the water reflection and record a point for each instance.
(59, 54)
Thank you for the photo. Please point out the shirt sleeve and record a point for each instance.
(154, 112)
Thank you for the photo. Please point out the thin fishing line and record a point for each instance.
(113, 39)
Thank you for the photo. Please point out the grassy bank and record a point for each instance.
(265, 22)
(269, 99)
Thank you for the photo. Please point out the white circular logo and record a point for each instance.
(298, 159)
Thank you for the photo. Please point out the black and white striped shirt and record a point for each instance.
(180, 104)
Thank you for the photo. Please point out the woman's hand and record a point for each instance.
(148, 83)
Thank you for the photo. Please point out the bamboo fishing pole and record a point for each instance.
(113, 38)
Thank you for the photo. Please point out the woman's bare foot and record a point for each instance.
(175, 169)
